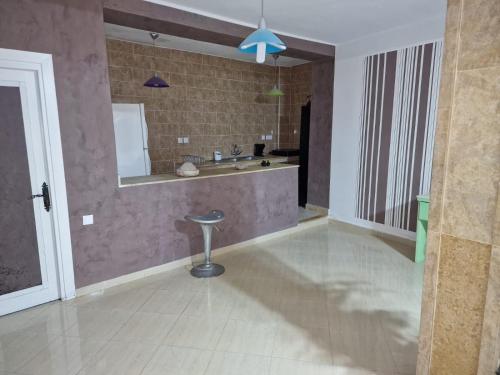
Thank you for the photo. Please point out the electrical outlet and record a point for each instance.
(269, 137)
(180, 140)
(263, 137)
(185, 140)
(88, 219)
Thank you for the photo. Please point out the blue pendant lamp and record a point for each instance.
(155, 81)
(262, 41)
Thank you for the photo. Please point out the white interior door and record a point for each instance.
(28, 263)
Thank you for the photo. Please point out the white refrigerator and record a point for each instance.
(131, 138)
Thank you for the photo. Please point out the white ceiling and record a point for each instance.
(190, 45)
(328, 21)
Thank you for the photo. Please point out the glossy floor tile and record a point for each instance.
(120, 358)
(63, 356)
(98, 324)
(18, 348)
(146, 327)
(326, 300)
(196, 332)
(173, 360)
(223, 363)
(248, 337)
(168, 301)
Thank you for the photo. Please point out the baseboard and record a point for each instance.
(322, 210)
(188, 261)
(378, 229)
(97, 287)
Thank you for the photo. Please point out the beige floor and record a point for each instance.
(322, 301)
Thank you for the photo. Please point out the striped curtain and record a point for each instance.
(398, 121)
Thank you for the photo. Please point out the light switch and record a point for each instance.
(263, 137)
(269, 137)
(88, 219)
(185, 140)
(180, 140)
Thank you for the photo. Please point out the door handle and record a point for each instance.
(45, 195)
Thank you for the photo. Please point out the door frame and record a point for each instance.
(41, 64)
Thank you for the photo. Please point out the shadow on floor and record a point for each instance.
(361, 338)
(405, 247)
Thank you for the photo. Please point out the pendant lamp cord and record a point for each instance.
(279, 108)
(279, 77)
(262, 8)
(276, 69)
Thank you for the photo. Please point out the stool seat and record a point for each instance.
(213, 217)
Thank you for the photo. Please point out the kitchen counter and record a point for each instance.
(220, 171)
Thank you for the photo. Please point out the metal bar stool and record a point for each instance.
(207, 222)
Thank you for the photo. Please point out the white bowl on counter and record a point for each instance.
(188, 169)
(181, 173)
(240, 166)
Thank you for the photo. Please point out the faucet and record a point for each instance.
(235, 150)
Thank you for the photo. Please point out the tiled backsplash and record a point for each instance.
(215, 102)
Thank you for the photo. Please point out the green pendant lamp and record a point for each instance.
(276, 91)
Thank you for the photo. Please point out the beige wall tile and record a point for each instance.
(446, 89)
(142, 49)
(120, 73)
(453, 17)
(450, 338)
(460, 299)
(473, 169)
(490, 341)
(438, 168)
(118, 45)
(188, 57)
(450, 52)
(480, 28)
(428, 301)
(496, 225)
(163, 53)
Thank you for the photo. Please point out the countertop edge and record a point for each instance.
(234, 173)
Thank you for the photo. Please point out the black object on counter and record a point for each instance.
(258, 149)
(285, 152)
(265, 163)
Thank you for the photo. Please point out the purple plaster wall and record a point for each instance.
(320, 138)
(19, 261)
(135, 227)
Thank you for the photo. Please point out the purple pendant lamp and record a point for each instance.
(155, 81)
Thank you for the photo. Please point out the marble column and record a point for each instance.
(460, 289)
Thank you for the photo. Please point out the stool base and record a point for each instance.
(207, 270)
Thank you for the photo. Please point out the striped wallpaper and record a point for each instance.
(398, 121)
